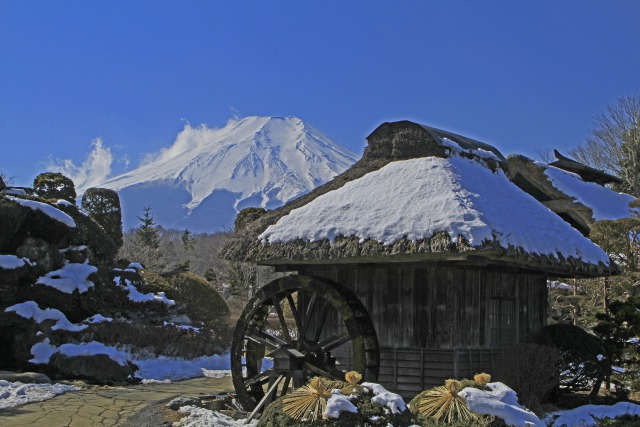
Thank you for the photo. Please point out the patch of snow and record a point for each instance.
(216, 373)
(418, 197)
(97, 318)
(31, 310)
(16, 393)
(485, 154)
(11, 262)
(136, 266)
(62, 202)
(151, 381)
(43, 351)
(73, 248)
(136, 296)
(502, 402)
(337, 403)
(69, 278)
(386, 398)
(604, 202)
(185, 327)
(176, 369)
(555, 284)
(159, 368)
(48, 210)
(200, 417)
(586, 415)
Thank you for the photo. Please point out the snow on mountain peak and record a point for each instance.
(261, 161)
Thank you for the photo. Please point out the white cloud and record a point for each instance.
(189, 138)
(94, 170)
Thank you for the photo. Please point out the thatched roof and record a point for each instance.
(577, 200)
(325, 227)
(587, 173)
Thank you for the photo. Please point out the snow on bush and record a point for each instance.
(136, 296)
(502, 402)
(31, 310)
(11, 262)
(48, 210)
(337, 403)
(70, 278)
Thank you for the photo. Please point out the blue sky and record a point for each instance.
(518, 75)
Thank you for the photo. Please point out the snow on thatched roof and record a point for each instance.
(417, 198)
(423, 194)
(577, 200)
(603, 202)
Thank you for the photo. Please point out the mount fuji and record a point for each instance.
(208, 175)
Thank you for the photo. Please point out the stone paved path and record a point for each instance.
(105, 406)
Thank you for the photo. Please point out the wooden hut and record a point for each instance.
(446, 257)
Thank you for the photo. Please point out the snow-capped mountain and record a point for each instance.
(208, 175)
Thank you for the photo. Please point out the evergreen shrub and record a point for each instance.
(54, 185)
(582, 365)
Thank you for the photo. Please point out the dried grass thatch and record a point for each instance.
(443, 403)
(309, 401)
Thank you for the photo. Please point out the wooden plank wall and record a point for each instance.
(408, 371)
(440, 307)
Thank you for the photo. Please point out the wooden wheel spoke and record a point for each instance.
(324, 371)
(264, 338)
(332, 342)
(296, 315)
(322, 321)
(285, 387)
(307, 316)
(283, 323)
(260, 378)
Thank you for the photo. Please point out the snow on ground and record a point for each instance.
(136, 296)
(586, 415)
(11, 262)
(604, 202)
(69, 278)
(419, 197)
(176, 369)
(48, 210)
(200, 417)
(16, 393)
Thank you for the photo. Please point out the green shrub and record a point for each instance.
(12, 217)
(204, 303)
(88, 232)
(103, 206)
(582, 366)
(54, 185)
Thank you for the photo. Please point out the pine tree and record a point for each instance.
(147, 233)
(147, 243)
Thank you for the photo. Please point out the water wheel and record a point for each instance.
(297, 327)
